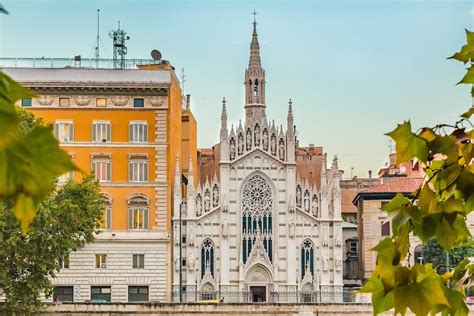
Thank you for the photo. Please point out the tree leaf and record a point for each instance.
(468, 77)
(25, 211)
(380, 301)
(408, 145)
(469, 113)
(427, 201)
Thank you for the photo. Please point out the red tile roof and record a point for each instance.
(402, 185)
(206, 151)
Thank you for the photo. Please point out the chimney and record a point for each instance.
(188, 100)
(370, 174)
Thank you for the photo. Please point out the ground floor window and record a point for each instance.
(138, 293)
(63, 294)
(100, 294)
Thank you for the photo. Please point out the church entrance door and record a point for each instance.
(258, 294)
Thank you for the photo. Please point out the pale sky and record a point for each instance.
(354, 69)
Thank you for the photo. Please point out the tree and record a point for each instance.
(438, 209)
(433, 253)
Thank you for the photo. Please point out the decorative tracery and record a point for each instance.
(257, 206)
(207, 257)
(307, 258)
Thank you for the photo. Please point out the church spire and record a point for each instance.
(254, 74)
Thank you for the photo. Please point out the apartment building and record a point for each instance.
(129, 127)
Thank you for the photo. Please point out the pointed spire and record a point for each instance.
(254, 61)
(224, 119)
(290, 116)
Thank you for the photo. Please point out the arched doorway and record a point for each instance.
(258, 280)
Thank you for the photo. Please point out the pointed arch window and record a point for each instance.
(207, 257)
(257, 206)
(307, 257)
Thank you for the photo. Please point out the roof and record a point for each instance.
(310, 150)
(389, 189)
(206, 151)
(85, 75)
(347, 225)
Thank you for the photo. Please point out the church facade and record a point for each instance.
(260, 225)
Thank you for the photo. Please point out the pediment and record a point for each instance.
(254, 153)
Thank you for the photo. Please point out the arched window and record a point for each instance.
(419, 254)
(207, 257)
(257, 206)
(138, 212)
(106, 222)
(255, 87)
(307, 257)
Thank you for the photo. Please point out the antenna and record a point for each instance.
(182, 79)
(120, 49)
(156, 55)
(97, 54)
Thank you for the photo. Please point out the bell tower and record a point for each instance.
(254, 77)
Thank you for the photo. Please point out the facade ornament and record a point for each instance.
(232, 148)
(176, 234)
(281, 150)
(176, 262)
(45, 100)
(298, 196)
(257, 135)
(119, 100)
(338, 239)
(306, 201)
(198, 204)
(191, 262)
(224, 206)
(225, 229)
(273, 144)
(265, 139)
(338, 264)
(240, 144)
(325, 263)
(215, 196)
(249, 139)
(325, 236)
(337, 192)
(190, 237)
(207, 201)
(156, 100)
(291, 204)
(315, 206)
(82, 100)
(292, 228)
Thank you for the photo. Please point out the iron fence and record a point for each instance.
(345, 296)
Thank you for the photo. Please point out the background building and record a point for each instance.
(129, 127)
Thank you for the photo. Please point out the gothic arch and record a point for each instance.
(258, 273)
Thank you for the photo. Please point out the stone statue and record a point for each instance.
(249, 139)
(265, 140)
(232, 149)
(338, 240)
(298, 196)
(257, 135)
(325, 263)
(273, 145)
(338, 264)
(325, 236)
(191, 262)
(315, 206)
(241, 144)
(281, 150)
(306, 201)
(198, 205)
(215, 196)
(191, 235)
(207, 201)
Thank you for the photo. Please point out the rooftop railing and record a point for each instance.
(75, 62)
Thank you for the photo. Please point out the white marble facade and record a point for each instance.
(257, 227)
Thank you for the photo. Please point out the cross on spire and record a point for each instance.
(254, 13)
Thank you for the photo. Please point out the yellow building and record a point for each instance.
(130, 127)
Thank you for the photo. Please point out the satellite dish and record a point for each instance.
(155, 54)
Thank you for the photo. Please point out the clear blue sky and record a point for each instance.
(353, 68)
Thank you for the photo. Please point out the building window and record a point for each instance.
(138, 213)
(138, 132)
(100, 261)
(63, 294)
(64, 132)
(138, 103)
(138, 169)
(353, 247)
(26, 102)
(138, 261)
(65, 177)
(100, 102)
(138, 293)
(64, 102)
(100, 294)
(101, 166)
(307, 258)
(385, 228)
(101, 132)
(207, 257)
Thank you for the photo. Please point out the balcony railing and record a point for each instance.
(75, 62)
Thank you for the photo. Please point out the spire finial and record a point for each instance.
(254, 13)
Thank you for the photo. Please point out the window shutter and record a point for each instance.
(130, 218)
(109, 132)
(56, 130)
(145, 132)
(94, 132)
(145, 175)
(145, 221)
(71, 132)
(108, 214)
(130, 132)
(130, 171)
(108, 176)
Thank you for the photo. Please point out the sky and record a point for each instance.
(354, 69)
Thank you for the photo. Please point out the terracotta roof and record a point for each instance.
(206, 151)
(402, 185)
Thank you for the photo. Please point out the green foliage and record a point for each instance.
(437, 209)
(65, 221)
(433, 253)
(30, 156)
